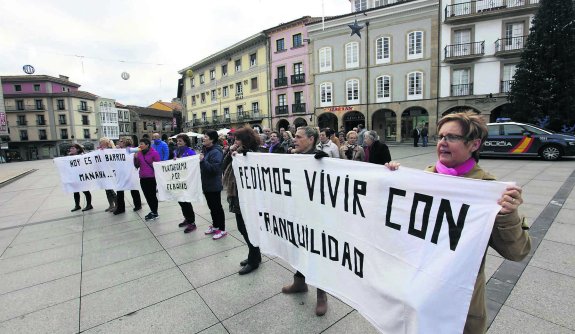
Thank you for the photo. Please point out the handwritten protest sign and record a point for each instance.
(401, 247)
(179, 180)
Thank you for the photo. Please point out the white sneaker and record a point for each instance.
(219, 234)
(211, 230)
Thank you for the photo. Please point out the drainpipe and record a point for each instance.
(438, 67)
(367, 74)
(269, 81)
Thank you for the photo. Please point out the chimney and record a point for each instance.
(63, 77)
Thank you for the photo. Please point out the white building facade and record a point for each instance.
(108, 125)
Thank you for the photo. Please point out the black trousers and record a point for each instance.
(214, 200)
(149, 189)
(188, 211)
(254, 255)
(88, 198)
(121, 203)
(415, 141)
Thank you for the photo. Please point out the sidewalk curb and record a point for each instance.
(17, 177)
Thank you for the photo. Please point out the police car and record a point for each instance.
(519, 139)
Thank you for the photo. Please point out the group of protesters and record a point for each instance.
(459, 138)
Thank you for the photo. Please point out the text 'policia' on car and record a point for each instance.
(518, 139)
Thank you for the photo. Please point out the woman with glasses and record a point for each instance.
(460, 136)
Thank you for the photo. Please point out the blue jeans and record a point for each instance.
(425, 141)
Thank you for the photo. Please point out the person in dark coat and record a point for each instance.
(376, 152)
(211, 168)
(275, 144)
(415, 134)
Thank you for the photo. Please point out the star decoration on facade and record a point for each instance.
(355, 28)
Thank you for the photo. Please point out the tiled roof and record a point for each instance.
(150, 111)
(77, 94)
(172, 105)
(37, 78)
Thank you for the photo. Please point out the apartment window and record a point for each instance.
(227, 113)
(193, 100)
(514, 36)
(23, 134)
(36, 88)
(254, 83)
(145, 125)
(383, 50)
(255, 107)
(253, 60)
(63, 89)
(62, 119)
(18, 88)
(42, 134)
(325, 92)
(415, 45)
(85, 120)
(280, 45)
(64, 133)
(240, 110)
(224, 70)
(226, 91)
(214, 114)
(415, 85)
(86, 133)
(239, 89)
(352, 55)
(21, 120)
(298, 97)
(352, 91)
(360, 5)
(507, 79)
(83, 105)
(281, 72)
(203, 97)
(238, 64)
(212, 74)
(202, 79)
(20, 104)
(282, 100)
(39, 105)
(298, 68)
(460, 85)
(325, 59)
(193, 82)
(296, 40)
(61, 105)
(40, 120)
(213, 95)
(383, 88)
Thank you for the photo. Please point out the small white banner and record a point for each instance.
(402, 247)
(101, 169)
(179, 180)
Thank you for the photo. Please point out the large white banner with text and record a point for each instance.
(102, 169)
(179, 180)
(402, 247)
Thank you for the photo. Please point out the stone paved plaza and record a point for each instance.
(93, 272)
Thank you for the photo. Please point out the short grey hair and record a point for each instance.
(309, 132)
(372, 134)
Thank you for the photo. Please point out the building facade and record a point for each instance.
(387, 78)
(147, 121)
(45, 113)
(481, 44)
(229, 88)
(124, 120)
(108, 124)
(291, 80)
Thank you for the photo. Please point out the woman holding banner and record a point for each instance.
(77, 149)
(246, 141)
(183, 144)
(460, 135)
(127, 143)
(106, 143)
(144, 160)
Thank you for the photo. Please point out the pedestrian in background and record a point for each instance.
(351, 150)
(161, 147)
(424, 135)
(77, 149)
(375, 151)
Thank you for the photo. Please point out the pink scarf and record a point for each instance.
(462, 169)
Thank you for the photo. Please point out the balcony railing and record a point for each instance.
(28, 107)
(482, 7)
(85, 122)
(40, 122)
(280, 82)
(510, 45)
(298, 78)
(298, 108)
(64, 137)
(505, 86)
(23, 138)
(84, 109)
(244, 116)
(43, 137)
(62, 122)
(465, 50)
(282, 110)
(21, 123)
(462, 90)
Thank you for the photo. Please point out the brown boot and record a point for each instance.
(321, 307)
(297, 286)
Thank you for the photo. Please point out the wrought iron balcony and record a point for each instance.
(464, 51)
(512, 45)
(23, 138)
(462, 89)
(40, 122)
(280, 82)
(472, 9)
(64, 137)
(43, 137)
(282, 110)
(505, 86)
(84, 109)
(28, 107)
(298, 108)
(21, 122)
(85, 122)
(62, 122)
(298, 78)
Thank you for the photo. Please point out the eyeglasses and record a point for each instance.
(451, 138)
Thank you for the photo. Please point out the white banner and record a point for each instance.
(402, 247)
(179, 180)
(101, 169)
